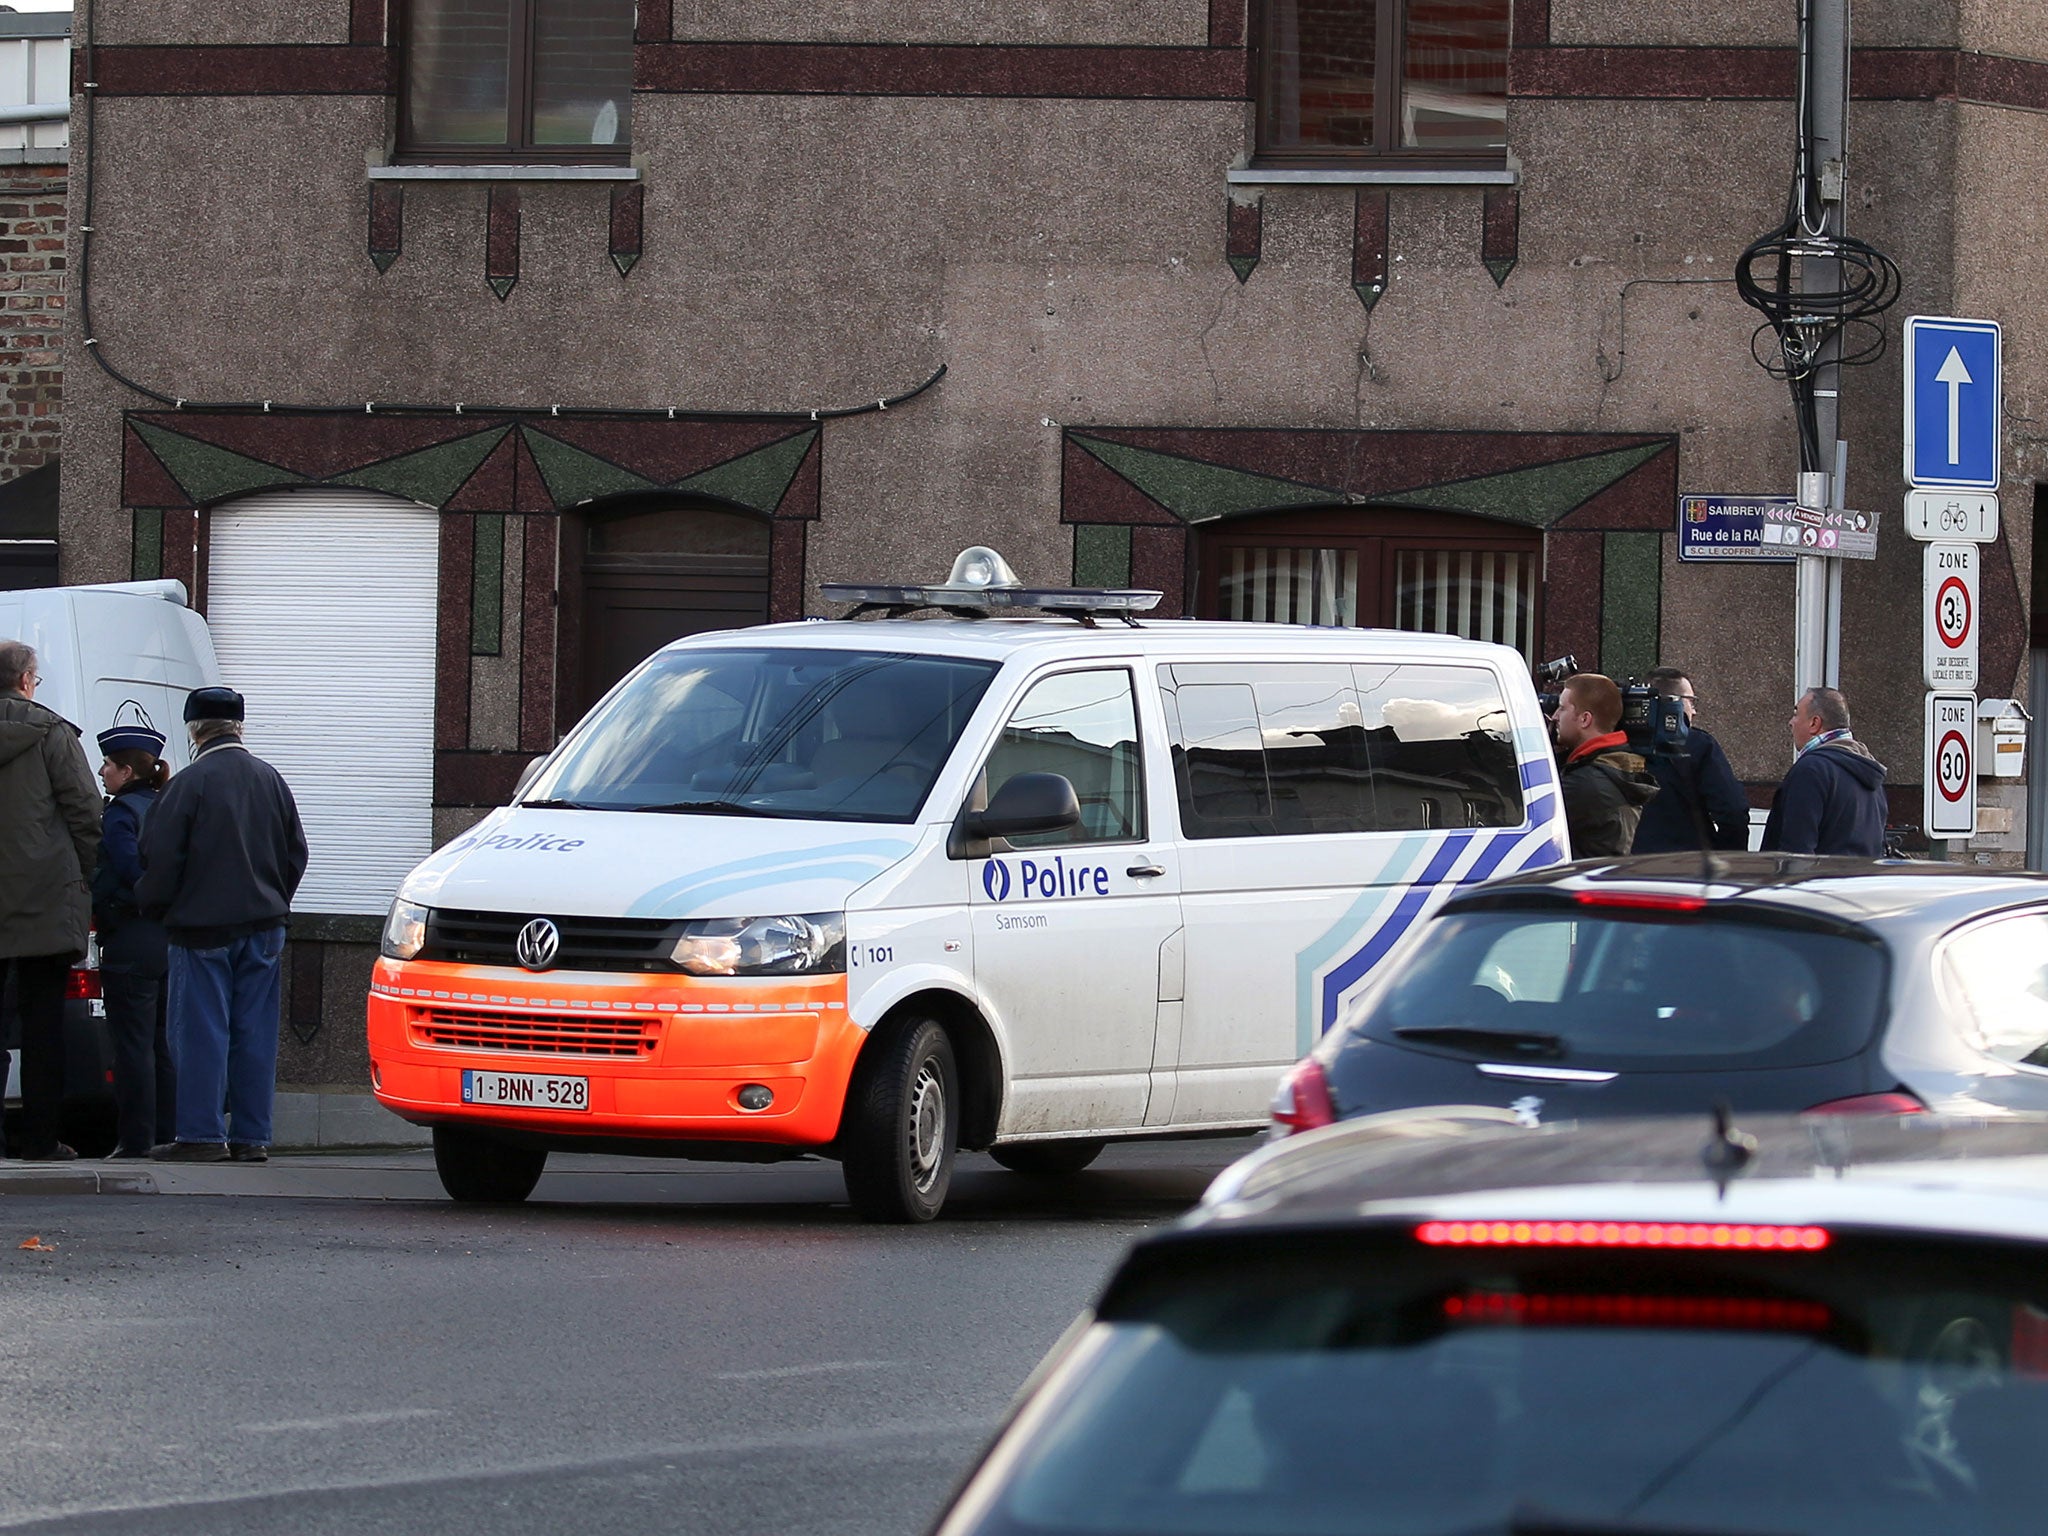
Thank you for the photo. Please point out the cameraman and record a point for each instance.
(1700, 783)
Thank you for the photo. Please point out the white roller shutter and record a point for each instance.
(322, 608)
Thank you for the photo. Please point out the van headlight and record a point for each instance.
(808, 945)
(405, 931)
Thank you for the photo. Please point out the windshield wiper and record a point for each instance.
(1522, 1042)
(564, 805)
(703, 807)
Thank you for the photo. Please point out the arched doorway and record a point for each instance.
(1393, 568)
(641, 571)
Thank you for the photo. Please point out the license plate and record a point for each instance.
(527, 1090)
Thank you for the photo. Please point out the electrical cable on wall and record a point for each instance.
(1802, 323)
(87, 231)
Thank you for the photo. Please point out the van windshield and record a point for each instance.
(824, 735)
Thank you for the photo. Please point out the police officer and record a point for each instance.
(221, 857)
(1700, 784)
(132, 948)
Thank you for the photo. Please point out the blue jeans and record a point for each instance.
(223, 1031)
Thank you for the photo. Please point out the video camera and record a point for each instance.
(1655, 725)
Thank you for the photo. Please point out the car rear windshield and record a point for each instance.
(1627, 989)
(1487, 1394)
(770, 731)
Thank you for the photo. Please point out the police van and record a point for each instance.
(883, 887)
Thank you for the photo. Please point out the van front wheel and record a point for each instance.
(480, 1170)
(902, 1125)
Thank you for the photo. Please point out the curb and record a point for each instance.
(64, 1179)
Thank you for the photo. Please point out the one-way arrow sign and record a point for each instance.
(1953, 405)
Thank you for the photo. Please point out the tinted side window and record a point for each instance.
(1998, 972)
(1083, 725)
(1442, 746)
(1278, 750)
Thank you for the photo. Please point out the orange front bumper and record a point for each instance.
(665, 1056)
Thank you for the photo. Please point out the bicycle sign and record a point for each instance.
(1950, 796)
(1949, 615)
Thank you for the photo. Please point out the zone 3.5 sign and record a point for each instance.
(1949, 614)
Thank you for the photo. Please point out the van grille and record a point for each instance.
(527, 1034)
(588, 943)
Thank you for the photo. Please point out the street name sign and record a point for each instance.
(1949, 616)
(1722, 528)
(1971, 515)
(1949, 801)
(1953, 403)
(1838, 534)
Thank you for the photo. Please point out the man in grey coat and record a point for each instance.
(49, 841)
(222, 855)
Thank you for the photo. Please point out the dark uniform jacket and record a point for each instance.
(1701, 778)
(129, 942)
(1831, 802)
(223, 850)
(1605, 791)
(49, 831)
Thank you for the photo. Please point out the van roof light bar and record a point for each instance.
(982, 581)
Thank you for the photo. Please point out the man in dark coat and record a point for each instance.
(1833, 799)
(1700, 784)
(1605, 782)
(222, 855)
(49, 841)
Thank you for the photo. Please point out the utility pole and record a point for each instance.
(1823, 457)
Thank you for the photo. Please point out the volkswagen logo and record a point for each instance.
(537, 944)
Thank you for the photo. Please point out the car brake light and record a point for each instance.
(1871, 1104)
(1749, 1313)
(1304, 1102)
(82, 983)
(1650, 901)
(1618, 1234)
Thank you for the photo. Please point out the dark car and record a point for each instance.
(1646, 986)
(88, 1062)
(1794, 1325)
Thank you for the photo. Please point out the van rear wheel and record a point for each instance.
(1048, 1159)
(477, 1169)
(902, 1125)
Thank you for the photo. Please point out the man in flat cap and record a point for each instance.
(222, 854)
(49, 841)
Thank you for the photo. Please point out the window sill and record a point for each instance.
(504, 173)
(1389, 176)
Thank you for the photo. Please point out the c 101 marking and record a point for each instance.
(858, 955)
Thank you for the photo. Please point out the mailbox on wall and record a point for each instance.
(2001, 739)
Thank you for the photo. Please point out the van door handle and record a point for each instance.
(1145, 871)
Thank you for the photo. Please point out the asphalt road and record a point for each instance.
(716, 1352)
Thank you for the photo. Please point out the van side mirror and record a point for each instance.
(1029, 802)
(526, 775)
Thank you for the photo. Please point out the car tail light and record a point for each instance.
(1620, 1234)
(82, 983)
(1304, 1102)
(1898, 1103)
(1650, 901)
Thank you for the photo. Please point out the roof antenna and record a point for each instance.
(1729, 1152)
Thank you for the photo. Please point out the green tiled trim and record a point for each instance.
(431, 475)
(1631, 602)
(1197, 492)
(759, 479)
(574, 476)
(1102, 555)
(487, 586)
(1537, 496)
(146, 553)
(207, 473)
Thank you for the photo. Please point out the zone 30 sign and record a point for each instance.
(1950, 799)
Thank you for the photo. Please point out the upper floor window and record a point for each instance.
(497, 80)
(1416, 79)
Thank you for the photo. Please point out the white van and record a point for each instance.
(124, 653)
(878, 889)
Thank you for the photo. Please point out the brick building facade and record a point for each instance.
(34, 192)
(601, 384)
